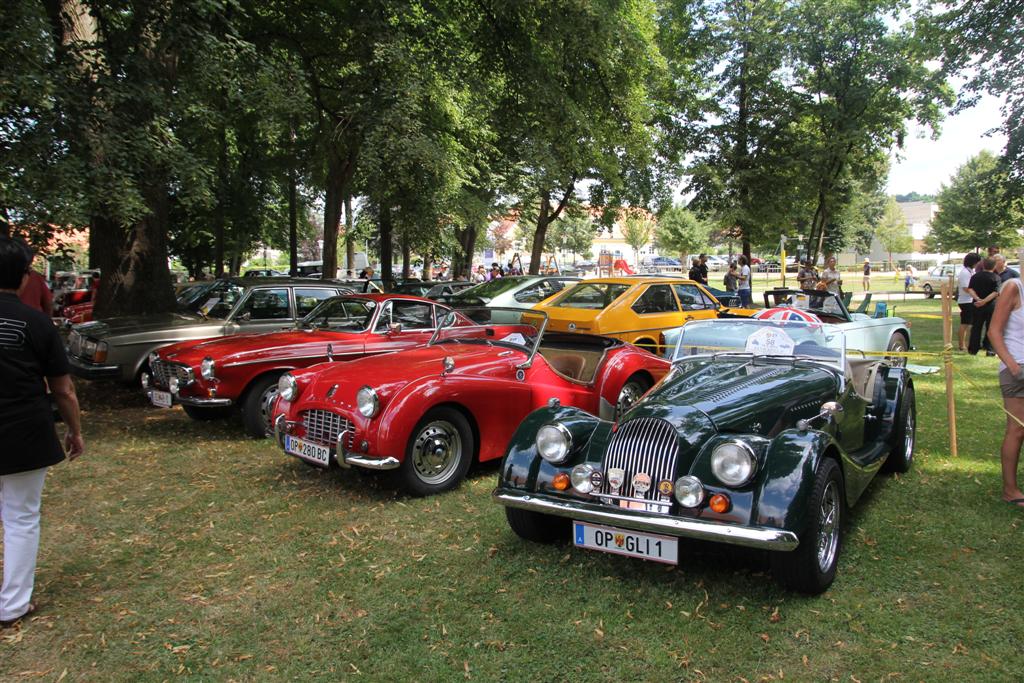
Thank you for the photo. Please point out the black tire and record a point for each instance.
(438, 455)
(634, 387)
(255, 406)
(898, 342)
(203, 414)
(928, 291)
(904, 435)
(538, 527)
(808, 569)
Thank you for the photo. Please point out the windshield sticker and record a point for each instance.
(210, 303)
(770, 341)
(514, 338)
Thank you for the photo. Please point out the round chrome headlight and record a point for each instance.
(553, 441)
(733, 462)
(206, 368)
(367, 402)
(145, 380)
(174, 384)
(287, 387)
(689, 491)
(153, 357)
(582, 478)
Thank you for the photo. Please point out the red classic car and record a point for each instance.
(211, 377)
(77, 313)
(428, 412)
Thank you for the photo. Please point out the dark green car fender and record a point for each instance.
(523, 468)
(788, 476)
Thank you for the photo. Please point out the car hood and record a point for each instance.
(388, 372)
(741, 396)
(137, 324)
(269, 346)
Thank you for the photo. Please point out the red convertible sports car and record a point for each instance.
(211, 377)
(428, 412)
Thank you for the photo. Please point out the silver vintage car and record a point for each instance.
(117, 348)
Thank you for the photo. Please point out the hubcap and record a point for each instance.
(629, 395)
(436, 452)
(898, 346)
(268, 399)
(828, 527)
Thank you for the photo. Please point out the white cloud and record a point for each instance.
(925, 164)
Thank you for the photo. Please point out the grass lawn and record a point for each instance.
(176, 548)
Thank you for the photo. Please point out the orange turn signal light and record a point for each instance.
(719, 503)
(561, 481)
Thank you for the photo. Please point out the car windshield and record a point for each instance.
(509, 327)
(591, 295)
(795, 339)
(211, 300)
(485, 291)
(341, 313)
(818, 302)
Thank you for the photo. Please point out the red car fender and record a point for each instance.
(493, 406)
(625, 363)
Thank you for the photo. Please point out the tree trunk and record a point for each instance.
(219, 213)
(462, 263)
(406, 259)
(293, 226)
(428, 265)
(540, 232)
(332, 213)
(386, 248)
(140, 282)
(350, 241)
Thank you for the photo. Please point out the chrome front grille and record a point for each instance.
(323, 427)
(163, 371)
(648, 445)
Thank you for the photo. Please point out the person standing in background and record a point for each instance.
(867, 274)
(732, 278)
(744, 284)
(1005, 273)
(31, 357)
(831, 276)
(983, 288)
(703, 269)
(964, 299)
(694, 273)
(1007, 336)
(36, 293)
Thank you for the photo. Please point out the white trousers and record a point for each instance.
(20, 497)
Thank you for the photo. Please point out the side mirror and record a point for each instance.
(245, 317)
(831, 408)
(394, 328)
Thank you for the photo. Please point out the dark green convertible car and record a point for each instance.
(762, 435)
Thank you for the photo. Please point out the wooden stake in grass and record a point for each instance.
(947, 356)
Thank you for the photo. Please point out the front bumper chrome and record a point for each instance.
(86, 370)
(749, 536)
(197, 401)
(344, 459)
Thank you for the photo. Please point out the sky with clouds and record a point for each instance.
(923, 164)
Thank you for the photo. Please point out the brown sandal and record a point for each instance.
(7, 623)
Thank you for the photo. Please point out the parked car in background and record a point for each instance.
(264, 272)
(930, 281)
(861, 332)
(663, 261)
(213, 378)
(427, 413)
(762, 436)
(119, 348)
(717, 263)
(514, 291)
(432, 289)
(634, 309)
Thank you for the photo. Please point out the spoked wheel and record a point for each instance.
(899, 343)
(635, 387)
(901, 457)
(438, 454)
(257, 405)
(811, 568)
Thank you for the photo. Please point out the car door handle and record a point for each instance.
(688, 318)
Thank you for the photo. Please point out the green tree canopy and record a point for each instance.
(681, 232)
(977, 209)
